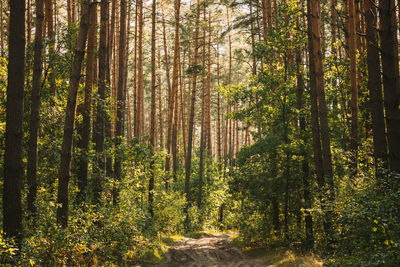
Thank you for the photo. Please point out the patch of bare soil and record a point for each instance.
(211, 251)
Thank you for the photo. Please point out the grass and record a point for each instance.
(281, 257)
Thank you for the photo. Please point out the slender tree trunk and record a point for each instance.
(140, 89)
(390, 83)
(306, 178)
(183, 104)
(375, 85)
(153, 102)
(322, 157)
(120, 119)
(69, 13)
(208, 100)
(161, 128)
(28, 22)
(1, 30)
(65, 164)
(218, 111)
(35, 108)
(127, 115)
(84, 130)
(13, 168)
(51, 36)
(108, 92)
(188, 166)
(203, 120)
(229, 121)
(174, 98)
(100, 114)
(351, 24)
(252, 33)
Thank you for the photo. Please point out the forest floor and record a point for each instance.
(219, 251)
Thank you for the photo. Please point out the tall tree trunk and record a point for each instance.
(174, 99)
(84, 130)
(229, 121)
(183, 98)
(13, 168)
(35, 108)
(1, 30)
(351, 24)
(120, 119)
(188, 166)
(306, 178)
(153, 103)
(160, 112)
(208, 95)
(323, 162)
(66, 153)
(51, 36)
(218, 111)
(108, 93)
(203, 120)
(28, 22)
(69, 13)
(100, 109)
(140, 89)
(390, 83)
(127, 115)
(375, 85)
(135, 81)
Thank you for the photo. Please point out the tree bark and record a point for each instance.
(323, 163)
(174, 98)
(153, 103)
(100, 109)
(34, 121)
(390, 83)
(354, 140)
(51, 36)
(306, 178)
(120, 119)
(65, 164)
(375, 86)
(203, 131)
(188, 166)
(13, 168)
(84, 130)
(140, 89)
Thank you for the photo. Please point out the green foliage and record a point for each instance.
(369, 224)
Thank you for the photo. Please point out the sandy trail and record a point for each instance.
(211, 251)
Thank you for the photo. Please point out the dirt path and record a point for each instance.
(216, 251)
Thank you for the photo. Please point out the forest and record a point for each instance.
(199, 133)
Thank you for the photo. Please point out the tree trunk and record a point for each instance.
(65, 164)
(34, 121)
(375, 86)
(174, 99)
(306, 178)
(140, 89)
(51, 36)
(153, 103)
(160, 113)
(208, 95)
(351, 27)
(188, 166)
(322, 157)
(218, 111)
(203, 120)
(13, 168)
(100, 114)
(120, 119)
(390, 83)
(84, 130)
